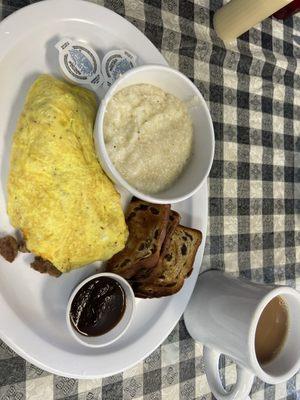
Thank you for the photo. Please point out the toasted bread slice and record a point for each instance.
(143, 273)
(147, 224)
(175, 264)
(174, 220)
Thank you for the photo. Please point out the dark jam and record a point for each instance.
(98, 306)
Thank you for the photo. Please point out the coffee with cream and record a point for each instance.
(271, 331)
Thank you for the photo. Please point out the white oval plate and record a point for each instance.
(32, 306)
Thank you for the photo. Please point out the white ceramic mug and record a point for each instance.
(223, 314)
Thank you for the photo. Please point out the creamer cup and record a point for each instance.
(115, 63)
(79, 63)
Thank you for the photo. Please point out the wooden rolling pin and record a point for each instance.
(238, 16)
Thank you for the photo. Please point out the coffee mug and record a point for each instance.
(226, 314)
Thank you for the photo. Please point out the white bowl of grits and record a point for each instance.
(154, 134)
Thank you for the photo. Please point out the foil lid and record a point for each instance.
(80, 63)
(115, 63)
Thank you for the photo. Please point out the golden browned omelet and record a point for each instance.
(58, 195)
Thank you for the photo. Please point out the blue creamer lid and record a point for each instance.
(79, 63)
(115, 63)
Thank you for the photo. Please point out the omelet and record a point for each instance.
(58, 196)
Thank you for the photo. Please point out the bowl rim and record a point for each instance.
(102, 152)
(123, 282)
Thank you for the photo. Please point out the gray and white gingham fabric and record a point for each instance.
(253, 90)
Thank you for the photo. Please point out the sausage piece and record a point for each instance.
(45, 267)
(8, 248)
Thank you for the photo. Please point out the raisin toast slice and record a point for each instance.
(147, 224)
(175, 264)
(144, 273)
(174, 220)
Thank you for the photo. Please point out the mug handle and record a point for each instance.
(240, 390)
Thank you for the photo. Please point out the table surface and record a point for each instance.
(252, 88)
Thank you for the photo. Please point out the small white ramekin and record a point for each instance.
(199, 165)
(119, 329)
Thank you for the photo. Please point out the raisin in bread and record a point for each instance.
(143, 273)
(175, 264)
(147, 224)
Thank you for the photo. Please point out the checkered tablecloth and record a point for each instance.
(253, 90)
